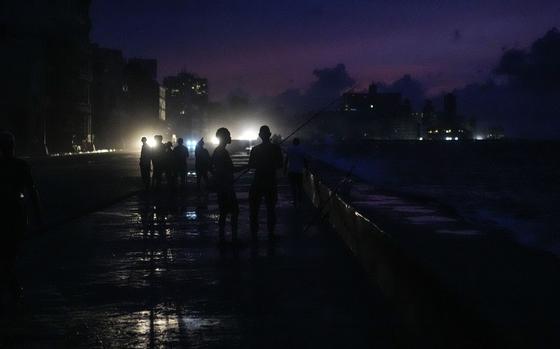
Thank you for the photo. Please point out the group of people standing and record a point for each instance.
(166, 161)
(266, 159)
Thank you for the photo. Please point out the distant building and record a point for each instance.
(107, 97)
(186, 103)
(162, 103)
(146, 66)
(377, 115)
(185, 92)
(447, 125)
(495, 133)
(141, 91)
(46, 47)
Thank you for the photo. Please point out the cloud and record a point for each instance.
(537, 69)
(330, 82)
(523, 94)
(409, 88)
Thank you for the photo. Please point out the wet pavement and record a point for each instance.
(147, 273)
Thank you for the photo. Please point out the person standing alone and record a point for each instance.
(266, 159)
(222, 171)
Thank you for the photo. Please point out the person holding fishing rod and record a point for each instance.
(266, 158)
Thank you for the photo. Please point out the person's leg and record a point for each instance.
(254, 204)
(271, 197)
(222, 204)
(234, 216)
(148, 182)
(156, 182)
(293, 186)
(145, 173)
(8, 270)
(205, 177)
(299, 185)
(171, 177)
(184, 178)
(198, 178)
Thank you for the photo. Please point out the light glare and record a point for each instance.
(249, 135)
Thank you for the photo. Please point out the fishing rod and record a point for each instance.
(304, 124)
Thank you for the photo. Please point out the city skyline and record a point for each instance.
(265, 49)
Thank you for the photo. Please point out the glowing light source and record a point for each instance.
(249, 135)
(215, 141)
(151, 142)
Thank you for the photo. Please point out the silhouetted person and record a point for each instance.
(222, 171)
(294, 165)
(145, 167)
(158, 161)
(169, 164)
(266, 159)
(180, 155)
(202, 163)
(16, 188)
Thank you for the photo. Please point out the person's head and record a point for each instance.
(7, 144)
(295, 141)
(264, 133)
(201, 142)
(144, 140)
(180, 141)
(158, 139)
(223, 136)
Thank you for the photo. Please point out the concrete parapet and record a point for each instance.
(432, 313)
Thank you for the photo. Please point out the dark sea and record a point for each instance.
(512, 186)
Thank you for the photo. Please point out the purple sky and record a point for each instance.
(265, 47)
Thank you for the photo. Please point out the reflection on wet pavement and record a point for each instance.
(147, 273)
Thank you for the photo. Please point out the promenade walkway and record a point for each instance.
(148, 273)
